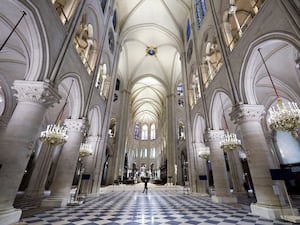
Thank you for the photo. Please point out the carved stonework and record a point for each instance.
(36, 91)
(214, 135)
(244, 113)
(76, 125)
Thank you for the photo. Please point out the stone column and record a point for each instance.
(40, 172)
(119, 167)
(249, 118)
(236, 171)
(171, 138)
(17, 141)
(220, 176)
(201, 170)
(64, 174)
(91, 166)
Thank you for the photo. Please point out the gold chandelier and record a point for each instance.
(204, 152)
(55, 134)
(282, 117)
(85, 150)
(229, 141)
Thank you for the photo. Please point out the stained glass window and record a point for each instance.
(136, 131)
(188, 30)
(152, 132)
(145, 132)
(200, 11)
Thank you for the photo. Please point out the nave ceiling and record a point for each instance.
(151, 37)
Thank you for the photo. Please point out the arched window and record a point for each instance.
(84, 44)
(180, 89)
(181, 134)
(152, 153)
(114, 20)
(240, 15)
(200, 11)
(101, 78)
(145, 132)
(137, 131)
(153, 134)
(112, 128)
(188, 30)
(103, 5)
(213, 61)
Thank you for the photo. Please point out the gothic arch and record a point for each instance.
(220, 101)
(95, 121)
(198, 129)
(26, 52)
(279, 54)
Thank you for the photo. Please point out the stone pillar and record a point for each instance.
(64, 174)
(220, 176)
(249, 118)
(91, 167)
(119, 167)
(17, 141)
(201, 170)
(40, 172)
(236, 171)
(171, 138)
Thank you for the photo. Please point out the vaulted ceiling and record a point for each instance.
(151, 36)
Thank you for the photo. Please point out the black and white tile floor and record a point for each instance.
(132, 207)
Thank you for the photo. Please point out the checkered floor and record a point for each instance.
(157, 207)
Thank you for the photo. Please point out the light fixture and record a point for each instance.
(55, 134)
(85, 150)
(229, 141)
(282, 117)
(151, 50)
(204, 152)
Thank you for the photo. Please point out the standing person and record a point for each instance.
(145, 186)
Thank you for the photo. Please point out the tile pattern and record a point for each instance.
(157, 207)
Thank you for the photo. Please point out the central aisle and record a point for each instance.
(174, 207)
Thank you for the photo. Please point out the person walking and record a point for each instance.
(145, 186)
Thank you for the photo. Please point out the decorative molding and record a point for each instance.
(243, 113)
(214, 135)
(36, 91)
(76, 125)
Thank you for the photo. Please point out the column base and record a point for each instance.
(54, 202)
(10, 216)
(272, 213)
(293, 219)
(34, 193)
(224, 199)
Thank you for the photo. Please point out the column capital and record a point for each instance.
(214, 135)
(76, 125)
(243, 113)
(36, 91)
